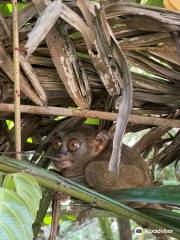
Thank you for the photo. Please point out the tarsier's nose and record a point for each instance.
(64, 161)
(62, 153)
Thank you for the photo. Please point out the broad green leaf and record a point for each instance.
(27, 188)
(15, 219)
(164, 195)
(5, 233)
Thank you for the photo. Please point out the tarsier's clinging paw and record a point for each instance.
(86, 152)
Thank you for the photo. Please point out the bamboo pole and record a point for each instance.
(16, 81)
(84, 113)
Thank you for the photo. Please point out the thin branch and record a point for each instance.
(5, 26)
(16, 81)
(83, 113)
(124, 228)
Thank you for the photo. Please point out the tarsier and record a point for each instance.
(86, 152)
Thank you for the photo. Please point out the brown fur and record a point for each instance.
(91, 161)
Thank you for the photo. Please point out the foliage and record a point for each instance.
(6, 8)
(169, 195)
(19, 191)
(19, 201)
(157, 3)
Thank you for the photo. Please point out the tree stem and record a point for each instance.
(16, 81)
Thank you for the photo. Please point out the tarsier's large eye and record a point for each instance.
(56, 143)
(73, 145)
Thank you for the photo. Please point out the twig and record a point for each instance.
(124, 228)
(5, 26)
(16, 81)
(83, 113)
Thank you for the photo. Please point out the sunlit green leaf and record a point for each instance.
(6, 8)
(10, 124)
(29, 140)
(47, 219)
(92, 121)
(59, 118)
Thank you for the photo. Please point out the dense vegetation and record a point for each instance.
(122, 57)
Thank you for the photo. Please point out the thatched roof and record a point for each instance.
(78, 62)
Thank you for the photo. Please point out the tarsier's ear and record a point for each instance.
(101, 141)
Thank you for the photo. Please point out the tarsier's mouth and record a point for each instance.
(65, 164)
(64, 161)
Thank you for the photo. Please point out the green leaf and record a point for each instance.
(92, 121)
(29, 140)
(27, 188)
(66, 217)
(15, 220)
(163, 195)
(6, 8)
(157, 3)
(164, 215)
(10, 124)
(59, 118)
(80, 192)
(47, 219)
(8, 182)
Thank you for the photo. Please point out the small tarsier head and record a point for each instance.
(77, 147)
